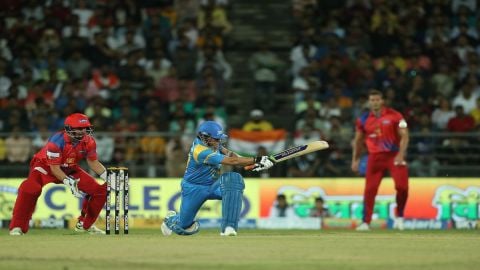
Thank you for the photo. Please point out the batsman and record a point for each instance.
(202, 181)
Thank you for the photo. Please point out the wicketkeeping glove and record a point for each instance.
(72, 184)
(263, 163)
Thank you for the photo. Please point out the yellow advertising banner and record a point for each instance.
(149, 199)
(429, 198)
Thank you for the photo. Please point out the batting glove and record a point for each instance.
(263, 163)
(72, 184)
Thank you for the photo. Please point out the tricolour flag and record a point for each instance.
(246, 143)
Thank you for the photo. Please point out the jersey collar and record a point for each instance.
(383, 111)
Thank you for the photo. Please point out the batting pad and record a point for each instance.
(232, 186)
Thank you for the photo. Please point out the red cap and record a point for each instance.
(77, 120)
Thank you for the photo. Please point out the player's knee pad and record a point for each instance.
(231, 181)
(232, 186)
(173, 223)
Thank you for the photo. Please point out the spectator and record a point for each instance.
(461, 122)
(311, 119)
(319, 209)
(153, 146)
(18, 147)
(216, 16)
(175, 153)
(305, 84)
(281, 208)
(211, 57)
(105, 143)
(425, 165)
(210, 115)
(187, 9)
(443, 81)
(307, 134)
(77, 66)
(257, 122)
(304, 166)
(102, 83)
(308, 103)
(442, 115)
(265, 65)
(40, 139)
(159, 68)
(302, 55)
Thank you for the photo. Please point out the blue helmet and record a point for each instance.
(211, 129)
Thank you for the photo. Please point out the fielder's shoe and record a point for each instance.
(363, 227)
(398, 224)
(229, 231)
(16, 231)
(165, 230)
(92, 230)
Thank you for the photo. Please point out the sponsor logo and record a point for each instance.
(82, 121)
(51, 223)
(52, 154)
(457, 204)
(422, 224)
(290, 151)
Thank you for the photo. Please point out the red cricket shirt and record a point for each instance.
(60, 150)
(381, 132)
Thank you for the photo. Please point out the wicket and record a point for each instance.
(121, 175)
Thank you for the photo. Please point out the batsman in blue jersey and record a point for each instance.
(202, 181)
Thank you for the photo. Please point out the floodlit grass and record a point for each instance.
(252, 249)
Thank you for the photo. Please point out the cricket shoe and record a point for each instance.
(398, 224)
(92, 230)
(16, 231)
(165, 230)
(229, 231)
(363, 227)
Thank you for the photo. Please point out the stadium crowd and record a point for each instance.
(159, 66)
(129, 65)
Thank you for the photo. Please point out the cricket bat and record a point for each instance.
(295, 151)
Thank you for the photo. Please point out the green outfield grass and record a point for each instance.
(252, 249)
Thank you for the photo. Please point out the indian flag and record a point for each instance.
(246, 143)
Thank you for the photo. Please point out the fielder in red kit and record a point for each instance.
(385, 134)
(57, 162)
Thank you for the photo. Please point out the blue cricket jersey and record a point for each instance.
(203, 165)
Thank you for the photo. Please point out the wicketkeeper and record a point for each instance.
(57, 162)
